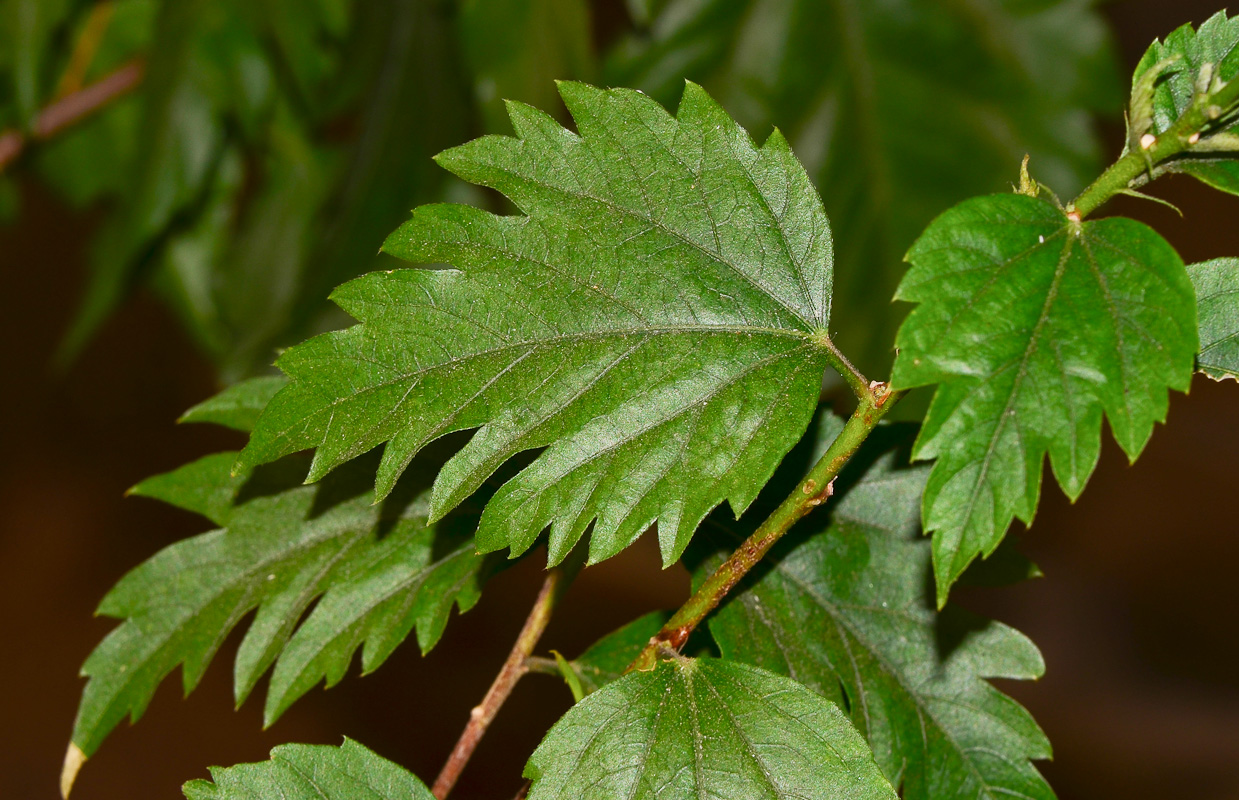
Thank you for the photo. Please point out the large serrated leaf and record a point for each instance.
(312, 772)
(656, 320)
(1034, 326)
(845, 608)
(704, 728)
(281, 546)
(1217, 313)
(898, 109)
(1181, 59)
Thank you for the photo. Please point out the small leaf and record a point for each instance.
(1217, 312)
(571, 676)
(312, 772)
(656, 321)
(381, 570)
(1209, 52)
(704, 728)
(239, 405)
(845, 608)
(1033, 327)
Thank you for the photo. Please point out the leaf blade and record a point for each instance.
(660, 336)
(1033, 327)
(312, 772)
(704, 728)
(281, 547)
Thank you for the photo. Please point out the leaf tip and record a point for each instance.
(74, 759)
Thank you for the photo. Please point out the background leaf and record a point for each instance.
(312, 772)
(845, 606)
(1032, 327)
(655, 320)
(697, 728)
(1217, 313)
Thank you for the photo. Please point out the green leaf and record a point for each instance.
(1211, 49)
(281, 546)
(898, 109)
(1217, 313)
(656, 321)
(239, 405)
(702, 728)
(846, 609)
(312, 772)
(1032, 327)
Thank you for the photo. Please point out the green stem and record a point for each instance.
(808, 495)
(1140, 160)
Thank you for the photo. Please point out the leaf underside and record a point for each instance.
(655, 320)
(704, 728)
(378, 572)
(312, 772)
(845, 609)
(1217, 313)
(1032, 328)
(1214, 43)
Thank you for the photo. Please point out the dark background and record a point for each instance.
(1137, 615)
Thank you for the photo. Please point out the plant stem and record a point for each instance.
(70, 109)
(543, 666)
(810, 493)
(1140, 159)
(513, 670)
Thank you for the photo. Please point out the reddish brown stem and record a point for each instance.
(70, 109)
(513, 670)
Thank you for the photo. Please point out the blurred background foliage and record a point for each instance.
(269, 147)
(260, 150)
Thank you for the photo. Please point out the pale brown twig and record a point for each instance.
(70, 109)
(513, 669)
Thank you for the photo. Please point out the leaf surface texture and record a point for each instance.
(1033, 327)
(312, 772)
(655, 319)
(704, 728)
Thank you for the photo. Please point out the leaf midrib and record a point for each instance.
(547, 343)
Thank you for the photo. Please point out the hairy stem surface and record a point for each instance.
(810, 493)
(1138, 164)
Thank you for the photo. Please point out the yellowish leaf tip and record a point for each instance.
(74, 759)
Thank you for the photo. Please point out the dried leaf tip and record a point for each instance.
(74, 759)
